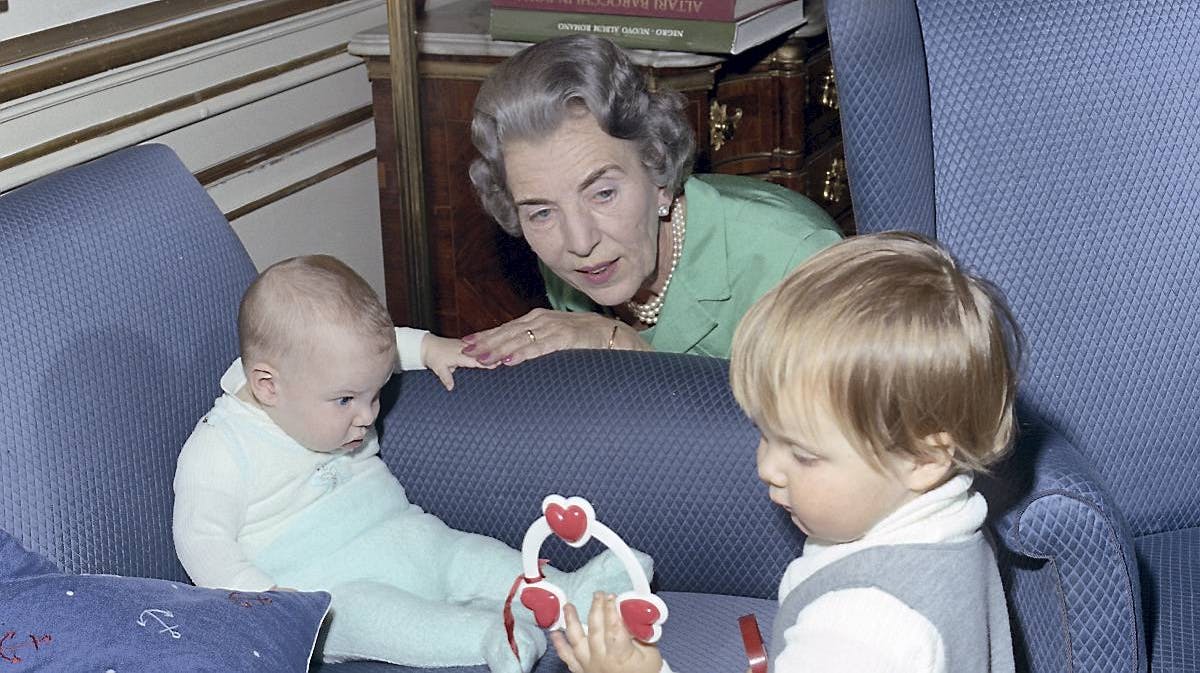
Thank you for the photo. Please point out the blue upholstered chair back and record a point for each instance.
(120, 284)
(655, 440)
(1054, 147)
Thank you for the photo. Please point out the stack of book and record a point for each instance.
(715, 26)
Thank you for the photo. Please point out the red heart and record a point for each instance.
(569, 523)
(543, 604)
(640, 617)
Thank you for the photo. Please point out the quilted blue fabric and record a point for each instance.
(879, 58)
(1033, 585)
(668, 463)
(1064, 150)
(1063, 176)
(1050, 509)
(1171, 591)
(1064, 154)
(121, 283)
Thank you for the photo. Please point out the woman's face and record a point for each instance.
(588, 208)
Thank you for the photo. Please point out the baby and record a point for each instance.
(280, 485)
(881, 377)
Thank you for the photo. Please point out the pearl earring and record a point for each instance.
(664, 210)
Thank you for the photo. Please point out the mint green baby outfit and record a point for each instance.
(254, 509)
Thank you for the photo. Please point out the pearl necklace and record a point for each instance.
(648, 313)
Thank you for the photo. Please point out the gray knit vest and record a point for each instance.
(956, 586)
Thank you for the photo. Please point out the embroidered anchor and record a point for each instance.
(8, 650)
(246, 600)
(154, 613)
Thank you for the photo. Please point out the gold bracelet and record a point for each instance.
(613, 337)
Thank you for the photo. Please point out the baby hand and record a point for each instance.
(606, 647)
(442, 356)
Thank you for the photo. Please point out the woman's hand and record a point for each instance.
(606, 647)
(543, 331)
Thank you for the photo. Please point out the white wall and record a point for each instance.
(333, 216)
(339, 215)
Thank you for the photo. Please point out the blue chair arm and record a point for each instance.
(653, 440)
(1050, 507)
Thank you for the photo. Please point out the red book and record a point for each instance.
(699, 10)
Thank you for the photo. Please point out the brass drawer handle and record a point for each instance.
(722, 125)
(829, 92)
(835, 181)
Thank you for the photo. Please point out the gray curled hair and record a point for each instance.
(530, 94)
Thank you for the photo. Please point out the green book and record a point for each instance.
(641, 32)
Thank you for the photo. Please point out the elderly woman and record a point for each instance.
(592, 168)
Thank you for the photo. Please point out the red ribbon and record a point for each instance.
(509, 622)
(753, 643)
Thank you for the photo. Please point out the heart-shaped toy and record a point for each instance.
(569, 518)
(543, 603)
(642, 616)
(574, 521)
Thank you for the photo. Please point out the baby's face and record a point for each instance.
(328, 396)
(828, 487)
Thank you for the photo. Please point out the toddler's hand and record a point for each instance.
(607, 647)
(442, 356)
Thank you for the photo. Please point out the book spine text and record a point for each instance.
(631, 32)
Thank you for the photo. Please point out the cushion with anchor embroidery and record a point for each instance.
(50, 621)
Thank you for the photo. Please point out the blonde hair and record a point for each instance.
(888, 334)
(292, 298)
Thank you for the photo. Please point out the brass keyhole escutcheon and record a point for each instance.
(722, 124)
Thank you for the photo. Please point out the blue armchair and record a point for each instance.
(121, 281)
(1053, 146)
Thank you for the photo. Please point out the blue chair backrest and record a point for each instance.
(654, 440)
(1054, 147)
(121, 281)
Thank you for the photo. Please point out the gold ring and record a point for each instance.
(532, 338)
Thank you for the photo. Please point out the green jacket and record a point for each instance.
(743, 236)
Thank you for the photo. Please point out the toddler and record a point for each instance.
(881, 377)
(280, 485)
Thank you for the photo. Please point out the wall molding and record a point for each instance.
(178, 60)
(81, 120)
(57, 56)
(128, 121)
(45, 41)
(283, 146)
(283, 193)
